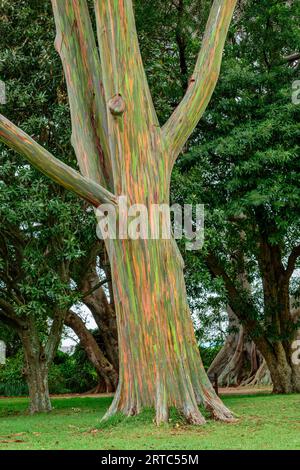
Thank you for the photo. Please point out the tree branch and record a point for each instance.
(292, 57)
(54, 335)
(75, 42)
(184, 119)
(181, 44)
(58, 171)
(103, 367)
(132, 120)
(292, 260)
(95, 287)
(8, 312)
(243, 308)
(8, 321)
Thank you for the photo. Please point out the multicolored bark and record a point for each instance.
(159, 356)
(120, 146)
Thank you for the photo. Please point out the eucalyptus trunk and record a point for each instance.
(122, 151)
(159, 356)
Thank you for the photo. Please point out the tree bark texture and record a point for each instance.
(35, 370)
(239, 363)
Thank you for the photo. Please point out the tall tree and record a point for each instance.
(39, 222)
(122, 150)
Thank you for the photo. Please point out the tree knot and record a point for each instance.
(116, 105)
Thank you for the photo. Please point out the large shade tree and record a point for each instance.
(37, 239)
(122, 150)
(48, 249)
(245, 168)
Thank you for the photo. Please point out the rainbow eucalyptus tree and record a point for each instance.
(122, 150)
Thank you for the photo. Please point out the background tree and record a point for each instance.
(44, 230)
(244, 166)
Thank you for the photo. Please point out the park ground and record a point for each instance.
(264, 422)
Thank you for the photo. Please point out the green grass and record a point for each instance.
(265, 422)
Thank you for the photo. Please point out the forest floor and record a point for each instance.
(264, 422)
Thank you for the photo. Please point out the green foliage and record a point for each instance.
(243, 161)
(208, 353)
(67, 374)
(169, 30)
(44, 230)
(12, 382)
(72, 374)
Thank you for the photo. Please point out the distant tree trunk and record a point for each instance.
(279, 316)
(105, 317)
(108, 375)
(123, 151)
(239, 363)
(274, 338)
(35, 370)
(103, 311)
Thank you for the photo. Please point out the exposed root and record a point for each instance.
(193, 416)
(261, 377)
(217, 409)
(162, 416)
(221, 414)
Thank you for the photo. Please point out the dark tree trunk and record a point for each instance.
(275, 335)
(103, 313)
(108, 375)
(35, 371)
(279, 319)
(284, 374)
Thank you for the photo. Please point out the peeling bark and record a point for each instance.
(156, 330)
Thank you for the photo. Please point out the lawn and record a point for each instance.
(265, 422)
